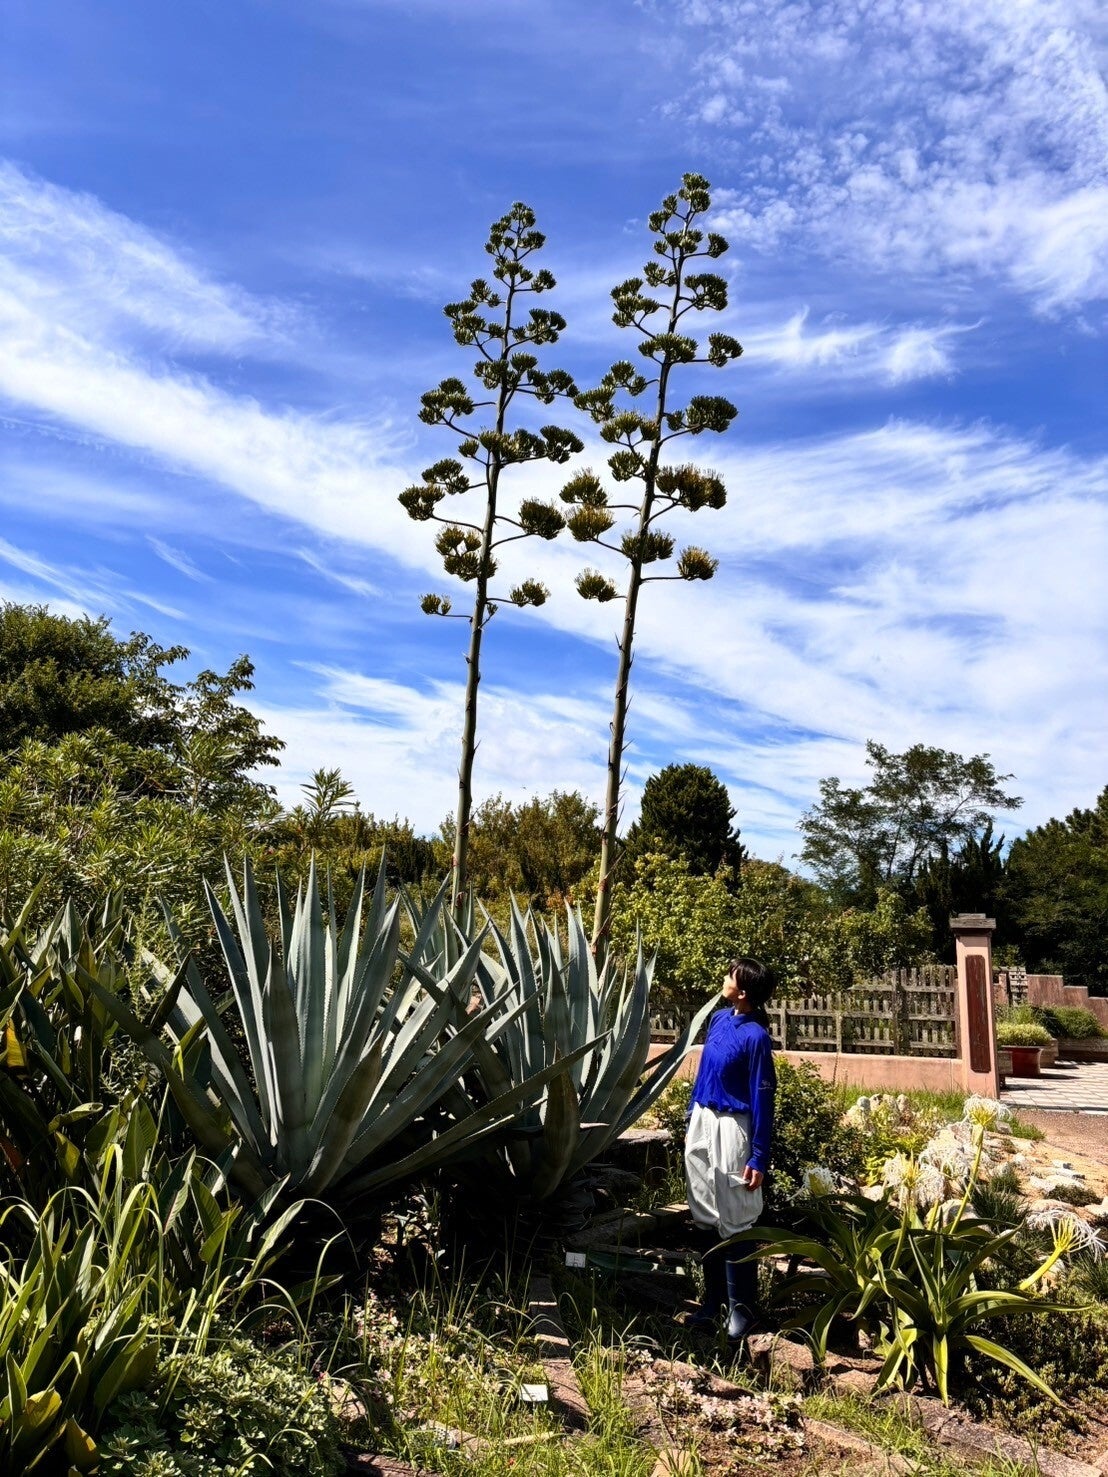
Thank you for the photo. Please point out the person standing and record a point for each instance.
(729, 1138)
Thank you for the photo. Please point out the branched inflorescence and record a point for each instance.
(497, 321)
(633, 408)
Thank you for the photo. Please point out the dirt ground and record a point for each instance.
(1074, 1133)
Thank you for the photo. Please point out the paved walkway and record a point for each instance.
(1067, 1087)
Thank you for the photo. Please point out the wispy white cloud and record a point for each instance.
(352, 582)
(85, 591)
(910, 581)
(398, 744)
(853, 351)
(918, 138)
(177, 559)
(68, 256)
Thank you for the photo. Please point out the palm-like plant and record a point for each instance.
(350, 1055)
(598, 1023)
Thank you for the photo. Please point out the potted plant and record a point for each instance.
(1024, 1040)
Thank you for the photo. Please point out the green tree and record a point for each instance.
(59, 675)
(330, 825)
(121, 778)
(640, 437)
(541, 849)
(697, 923)
(686, 811)
(858, 840)
(1056, 894)
(970, 881)
(497, 323)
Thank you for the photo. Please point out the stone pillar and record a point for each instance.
(977, 1032)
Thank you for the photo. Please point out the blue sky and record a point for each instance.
(226, 234)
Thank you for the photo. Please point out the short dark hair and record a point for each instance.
(754, 977)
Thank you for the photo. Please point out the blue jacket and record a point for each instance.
(737, 1076)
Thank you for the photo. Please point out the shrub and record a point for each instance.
(1071, 1021)
(238, 1410)
(1068, 1350)
(1016, 1033)
(891, 1125)
(809, 1130)
(671, 1111)
(1073, 1194)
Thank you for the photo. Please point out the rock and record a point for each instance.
(786, 1365)
(833, 1435)
(345, 1403)
(954, 1430)
(861, 1382)
(557, 1356)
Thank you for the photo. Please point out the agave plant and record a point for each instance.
(351, 1055)
(598, 1023)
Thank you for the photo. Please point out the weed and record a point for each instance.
(1030, 1131)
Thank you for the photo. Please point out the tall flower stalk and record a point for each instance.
(496, 321)
(641, 437)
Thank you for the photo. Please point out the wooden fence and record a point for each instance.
(907, 1012)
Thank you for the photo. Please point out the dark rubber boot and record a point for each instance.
(742, 1294)
(715, 1292)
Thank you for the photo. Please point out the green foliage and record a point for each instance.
(917, 806)
(60, 676)
(349, 1054)
(331, 825)
(671, 1110)
(697, 923)
(917, 1284)
(76, 1331)
(891, 1124)
(809, 1130)
(1070, 1022)
(235, 1409)
(1056, 893)
(65, 1072)
(1022, 1033)
(686, 811)
(969, 881)
(1068, 1350)
(116, 778)
(539, 850)
(597, 1025)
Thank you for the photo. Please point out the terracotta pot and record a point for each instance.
(1025, 1060)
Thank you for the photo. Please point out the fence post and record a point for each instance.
(973, 949)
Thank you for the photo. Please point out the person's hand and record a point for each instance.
(752, 1177)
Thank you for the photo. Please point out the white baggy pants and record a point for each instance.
(717, 1147)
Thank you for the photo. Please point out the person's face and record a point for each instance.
(732, 994)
